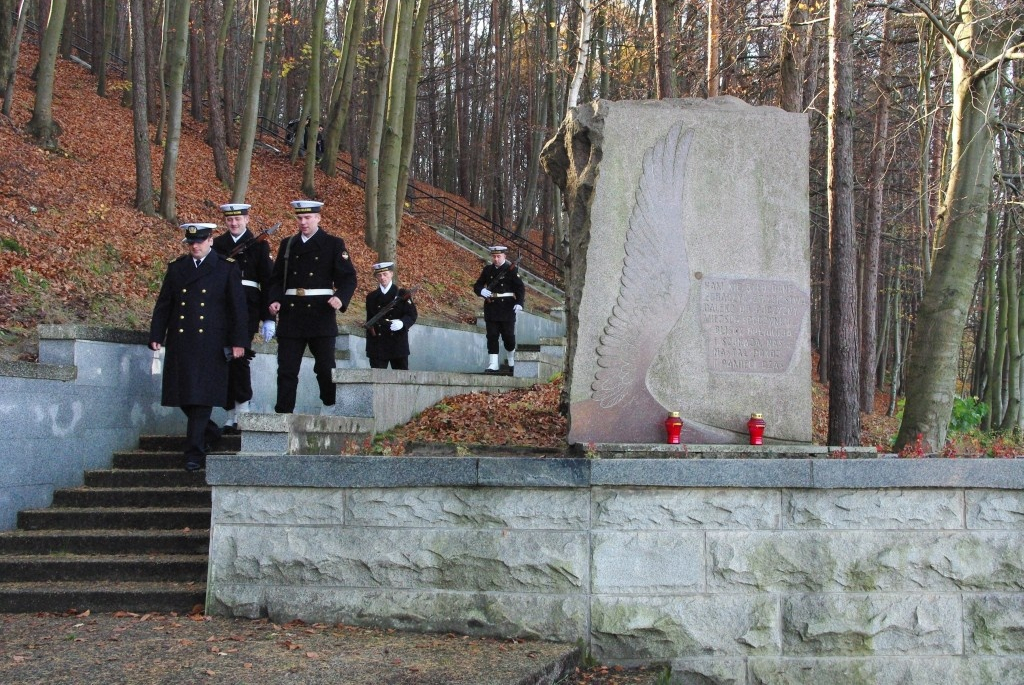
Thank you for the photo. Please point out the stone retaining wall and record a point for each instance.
(735, 571)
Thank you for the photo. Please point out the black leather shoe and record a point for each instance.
(193, 466)
(231, 430)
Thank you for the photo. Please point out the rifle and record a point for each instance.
(262, 235)
(507, 267)
(403, 294)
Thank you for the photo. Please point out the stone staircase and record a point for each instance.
(132, 538)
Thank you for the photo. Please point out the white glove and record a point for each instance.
(397, 325)
(269, 329)
(485, 293)
(518, 308)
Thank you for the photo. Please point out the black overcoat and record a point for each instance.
(381, 341)
(198, 314)
(322, 262)
(256, 266)
(501, 308)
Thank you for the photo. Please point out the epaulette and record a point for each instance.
(178, 259)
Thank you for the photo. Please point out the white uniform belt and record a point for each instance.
(494, 296)
(251, 284)
(306, 292)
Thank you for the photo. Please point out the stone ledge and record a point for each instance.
(45, 372)
(94, 333)
(302, 433)
(723, 451)
(385, 472)
(479, 381)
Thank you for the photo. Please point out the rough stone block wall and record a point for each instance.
(728, 585)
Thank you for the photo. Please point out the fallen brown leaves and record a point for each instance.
(518, 417)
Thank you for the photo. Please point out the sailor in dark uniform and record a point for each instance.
(504, 295)
(253, 258)
(313, 279)
(387, 341)
(200, 315)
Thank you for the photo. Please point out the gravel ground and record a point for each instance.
(168, 649)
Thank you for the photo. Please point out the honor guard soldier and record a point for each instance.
(200, 315)
(313, 278)
(504, 294)
(387, 340)
(252, 256)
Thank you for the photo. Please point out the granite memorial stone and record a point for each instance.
(688, 269)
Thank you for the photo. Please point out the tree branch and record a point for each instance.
(1012, 53)
(941, 27)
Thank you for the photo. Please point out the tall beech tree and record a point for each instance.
(979, 41)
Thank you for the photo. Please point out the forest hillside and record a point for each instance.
(74, 250)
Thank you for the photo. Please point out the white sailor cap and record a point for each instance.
(195, 233)
(383, 266)
(235, 209)
(498, 249)
(306, 206)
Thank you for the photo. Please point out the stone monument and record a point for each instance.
(687, 280)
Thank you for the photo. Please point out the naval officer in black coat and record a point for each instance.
(504, 295)
(253, 258)
(387, 341)
(200, 316)
(313, 279)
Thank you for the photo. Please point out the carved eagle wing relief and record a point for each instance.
(654, 285)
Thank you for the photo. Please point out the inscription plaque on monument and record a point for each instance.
(688, 281)
(751, 325)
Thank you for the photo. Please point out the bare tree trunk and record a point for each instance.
(313, 98)
(153, 16)
(140, 116)
(6, 48)
(247, 132)
(215, 89)
(270, 104)
(935, 349)
(1012, 307)
(223, 56)
(714, 51)
(42, 125)
(161, 75)
(10, 70)
(411, 92)
(873, 228)
(791, 82)
(844, 387)
(377, 117)
(582, 52)
(177, 49)
(341, 95)
(664, 34)
(198, 94)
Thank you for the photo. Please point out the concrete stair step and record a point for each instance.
(141, 497)
(15, 568)
(145, 478)
(76, 597)
(176, 443)
(105, 542)
(116, 518)
(153, 460)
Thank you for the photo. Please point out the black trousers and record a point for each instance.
(239, 382)
(289, 361)
(200, 432)
(505, 329)
(401, 363)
